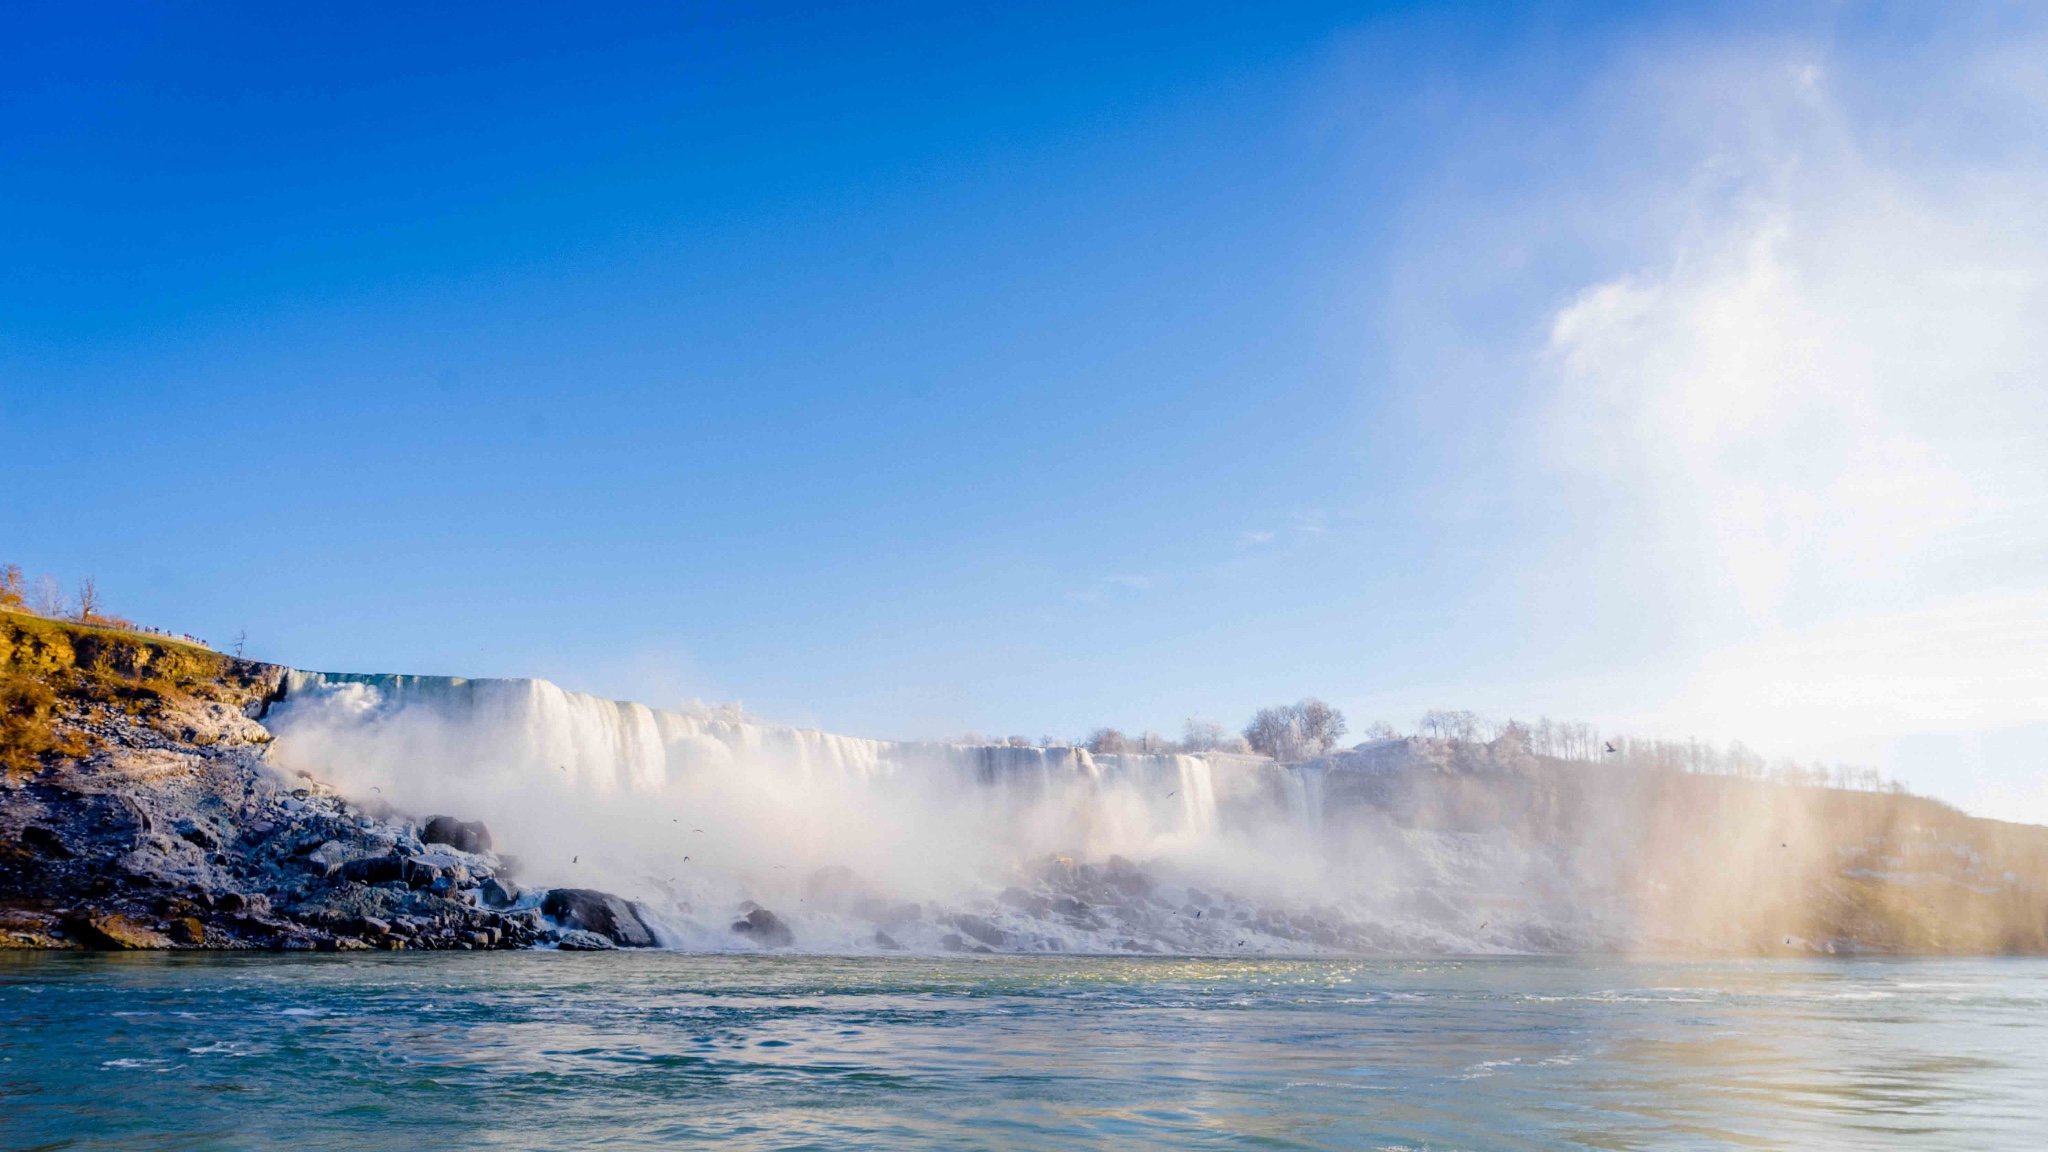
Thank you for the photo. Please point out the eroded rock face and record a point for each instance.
(588, 910)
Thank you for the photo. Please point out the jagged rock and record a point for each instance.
(461, 835)
(499, 893)
(369, 926)
(436, 870)
(607, 915)
(235, 902)
(578, 940)
(328, 858)
(113, 931)
(44, 842)
(765, 927)
(375, 869)
(200, 836)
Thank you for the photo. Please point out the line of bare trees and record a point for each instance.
(1584, 742)
(1296, 731)
(44, 596)
(1311, 728)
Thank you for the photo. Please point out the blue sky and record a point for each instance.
(909, 371)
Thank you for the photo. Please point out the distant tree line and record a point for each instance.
(1311, 728)
(1298, 731)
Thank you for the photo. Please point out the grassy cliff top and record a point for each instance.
(51, 669)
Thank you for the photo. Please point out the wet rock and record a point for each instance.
(577, 940)
(589, 910)
(344, 944)
(461, 835)
(188, 930)
(766, 928)
(498, 893)
(115, 932)
(1026, 901)
(884, 940)
(369, 926)
(980, 929)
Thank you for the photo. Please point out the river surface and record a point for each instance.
(564, 1050)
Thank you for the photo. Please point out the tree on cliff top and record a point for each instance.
(1295, 731)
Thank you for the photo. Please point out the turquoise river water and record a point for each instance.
(621, 1050)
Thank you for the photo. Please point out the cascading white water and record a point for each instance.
(699, 809)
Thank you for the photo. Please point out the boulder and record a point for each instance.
(114, 931)
(461, 835)
(375, 869)
(500, 893)
(328, 858)
(437, 871)
(577, 940)
(588, 910)
(254, 903)
(368, 926)
(188, 930)
(980, 929)
(766, 928)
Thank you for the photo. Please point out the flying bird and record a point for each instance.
(1611, 748)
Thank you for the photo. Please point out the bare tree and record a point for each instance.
(1449, 725)
(47, 598)
(1295, 731)
(1201, 735)
(1105, 740)
(1321, 726)
(88, 600)
(13, 591)
(241, 638)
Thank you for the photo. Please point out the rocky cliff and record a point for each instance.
(138, 810)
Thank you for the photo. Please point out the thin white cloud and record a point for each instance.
(1824, 413)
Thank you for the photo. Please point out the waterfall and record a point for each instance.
(604, 792)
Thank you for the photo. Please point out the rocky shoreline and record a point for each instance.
(138, 810)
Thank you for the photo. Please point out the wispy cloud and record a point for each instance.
(1821, 411)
